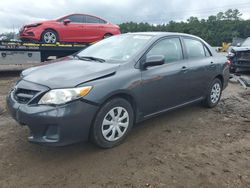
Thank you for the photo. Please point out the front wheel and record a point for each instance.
(49, 37)
(213, 94)
(112, 123)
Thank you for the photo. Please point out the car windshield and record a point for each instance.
(118, 48)
(246, 42)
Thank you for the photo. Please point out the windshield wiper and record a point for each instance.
(90, 58)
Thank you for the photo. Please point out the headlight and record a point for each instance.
(231, 54)
(62, 96)
(33, 25)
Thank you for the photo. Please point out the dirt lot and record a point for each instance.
(190, 147)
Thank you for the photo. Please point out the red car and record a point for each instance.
(71, 28)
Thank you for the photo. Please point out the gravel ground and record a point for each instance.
(189, 147)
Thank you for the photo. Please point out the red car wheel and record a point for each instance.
(49, 36)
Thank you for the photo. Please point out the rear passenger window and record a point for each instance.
(102, 21)
(170, 48)
(195, 49)
(91, 19)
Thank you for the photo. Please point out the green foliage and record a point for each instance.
(216, 29)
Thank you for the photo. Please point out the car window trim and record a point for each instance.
(197, 39)
(206, 48)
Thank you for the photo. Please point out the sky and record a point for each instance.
(15, 13)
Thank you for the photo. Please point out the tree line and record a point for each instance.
(222, 27)
(216, 29)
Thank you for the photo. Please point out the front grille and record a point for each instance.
(244, 55)
(243, 63)
(24, 95)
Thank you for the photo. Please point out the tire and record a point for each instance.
(49, 37)
(107, 35)
(105, 129)
(213, 94)
(233, 70)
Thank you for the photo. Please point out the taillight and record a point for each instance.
(229, 62)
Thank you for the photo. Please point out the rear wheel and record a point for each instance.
(112, 123)
(213, 94)
(107, 35)
(49, 37)
(233, 70)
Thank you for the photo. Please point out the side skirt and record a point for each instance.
(170, 109)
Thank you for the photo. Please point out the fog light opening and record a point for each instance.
(52, 133)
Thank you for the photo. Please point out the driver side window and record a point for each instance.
(170, 48)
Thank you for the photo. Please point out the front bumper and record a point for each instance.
(30, 33)
(54, 125)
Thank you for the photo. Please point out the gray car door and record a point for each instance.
(164, 86)
(201, 67)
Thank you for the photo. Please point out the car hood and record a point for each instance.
(68, 73)
(39, 22)
(240, 49)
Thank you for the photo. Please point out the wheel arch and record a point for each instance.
(124, 95)
(108, 33)
(119, 94)
(220, 77)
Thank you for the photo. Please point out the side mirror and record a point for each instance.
(66, 22)
(238, 44)
(154, 60)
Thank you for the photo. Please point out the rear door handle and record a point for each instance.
(212, 64)
(184, 68)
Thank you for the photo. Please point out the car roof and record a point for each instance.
(162, 34)
(158, 35)
(83, 14)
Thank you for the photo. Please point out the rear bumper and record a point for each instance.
(226, 76)
(54, 126)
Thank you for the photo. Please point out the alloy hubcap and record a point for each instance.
(115, 124)
(106, 36)
(215, 93)
(49, 37)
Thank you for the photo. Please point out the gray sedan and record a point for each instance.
(101, 92)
